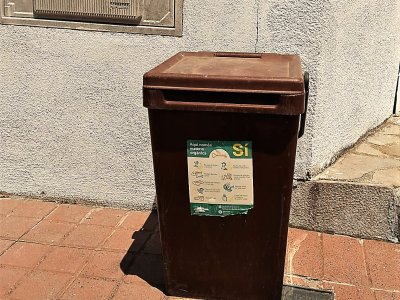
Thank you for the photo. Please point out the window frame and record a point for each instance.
(102, 27)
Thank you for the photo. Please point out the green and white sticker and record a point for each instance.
(220, 177)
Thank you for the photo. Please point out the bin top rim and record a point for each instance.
(232, 71)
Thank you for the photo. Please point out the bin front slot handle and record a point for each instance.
(237, 54)
(218, 101)
(194, 98)
(303, 115)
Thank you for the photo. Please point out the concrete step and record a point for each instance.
(359, 194)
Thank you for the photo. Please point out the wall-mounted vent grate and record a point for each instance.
(110, 11)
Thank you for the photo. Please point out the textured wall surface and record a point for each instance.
(71, 115)
(72, 121)
(359, 63)
(351, 50)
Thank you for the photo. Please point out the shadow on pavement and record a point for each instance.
(143, 262)
(143, 258)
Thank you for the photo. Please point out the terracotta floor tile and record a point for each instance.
(126, 240)
(7, 205)
(153, 245)
(303, 281)
(41, 285)
(304, 253)
(34, 209)
(2, 217)
(105, 217)
(121, 240)
(69, 213)
(148, 267)
(152, 221)
(294, 240)
(344, 260)
(131, 278)
(14, 227)
(4, 245)
(89, 236)
(48, 232)
(86, 288)
(23, 254)
(137, 219)
(105, 265)
(286, 279)
(383, 261)
(64, 259)
(9, 277)
(138, 291)
(348, 292)
(386, 295)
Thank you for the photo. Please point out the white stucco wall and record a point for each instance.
(71, 115)
(358, 67)
(352, 51)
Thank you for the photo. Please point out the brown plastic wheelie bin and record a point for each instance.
(224, 129)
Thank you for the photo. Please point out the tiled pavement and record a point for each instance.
(57, 251)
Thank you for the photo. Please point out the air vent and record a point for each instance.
(102, 11)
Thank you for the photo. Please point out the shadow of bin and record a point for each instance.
(224, 129)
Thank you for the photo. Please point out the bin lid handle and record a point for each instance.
(303, 115)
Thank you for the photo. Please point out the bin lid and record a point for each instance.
(229, 72)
